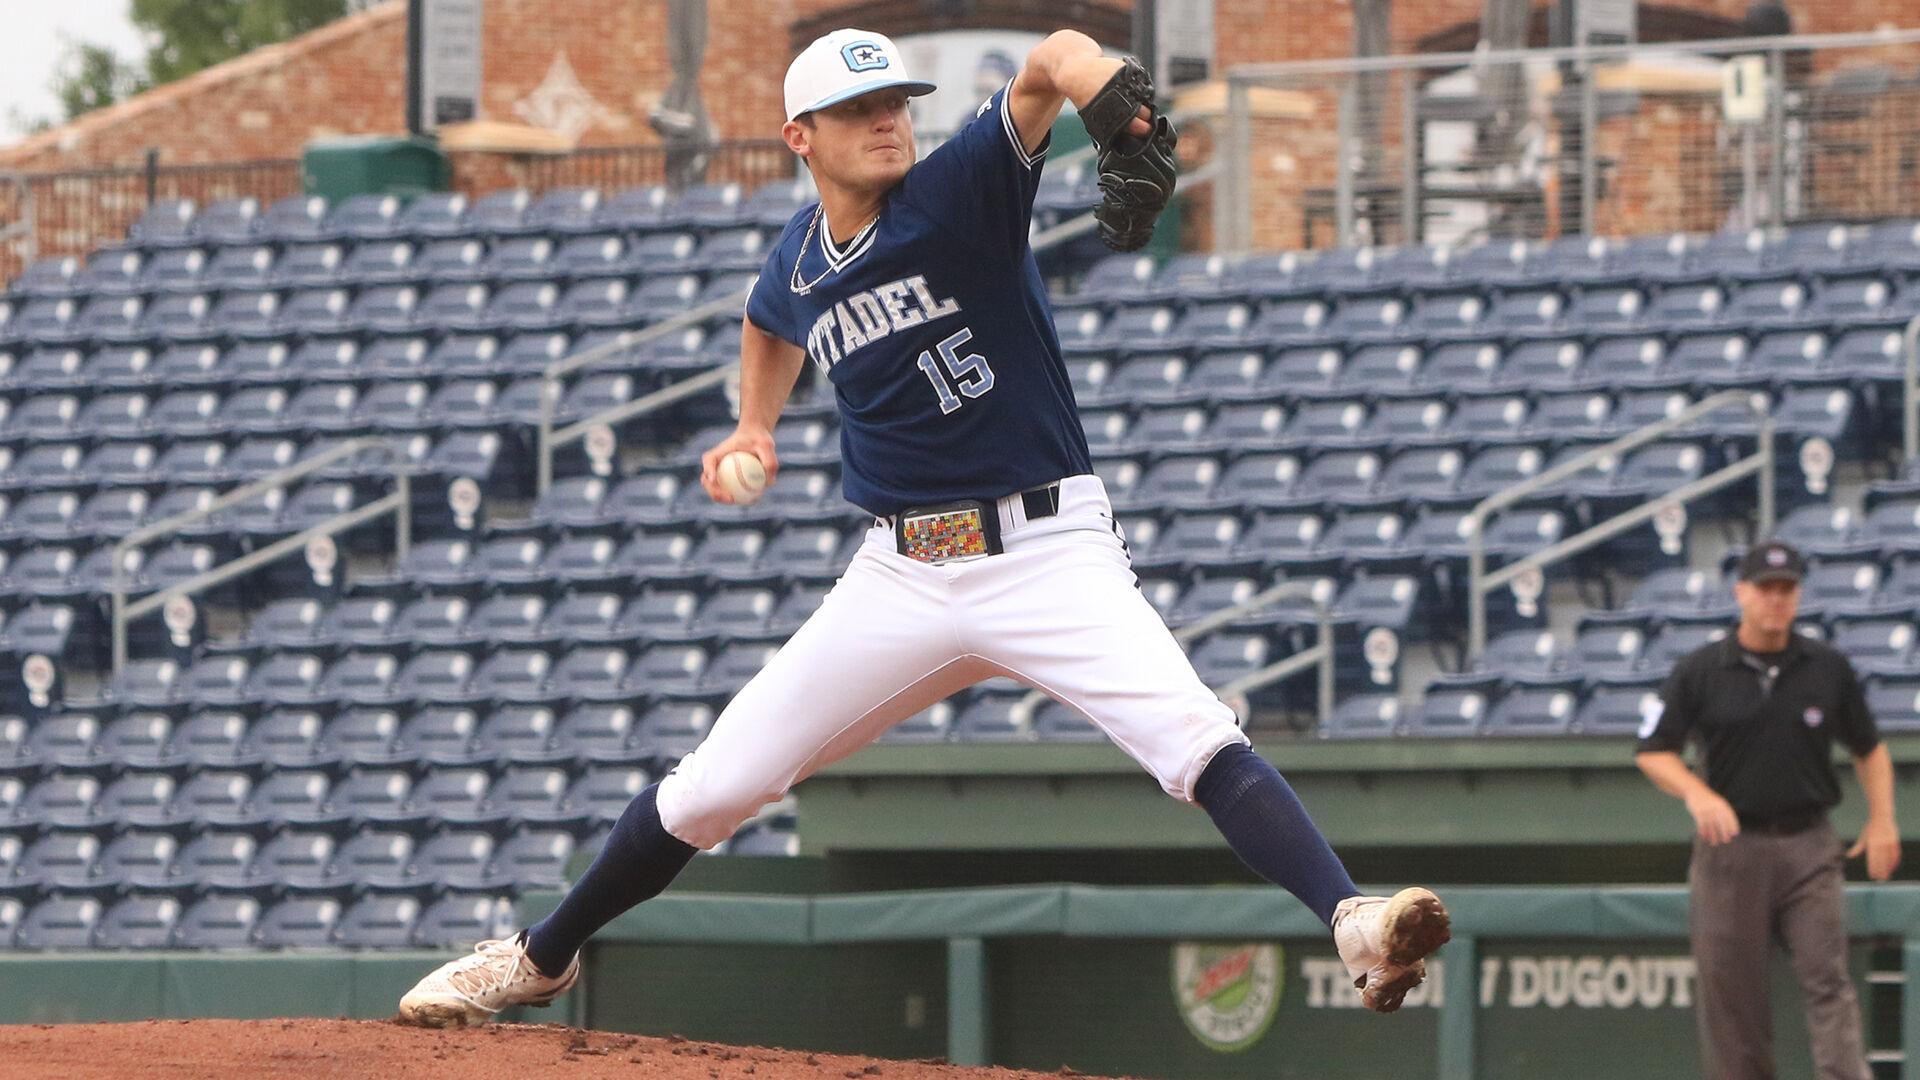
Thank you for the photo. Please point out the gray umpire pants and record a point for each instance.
(1749, 893)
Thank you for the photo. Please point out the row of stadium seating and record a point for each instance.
(525, 297)
(173, 223)
(226, 920)
(118, 275)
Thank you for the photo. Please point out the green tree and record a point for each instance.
(91, 76)
(185, 36)
(189, 35)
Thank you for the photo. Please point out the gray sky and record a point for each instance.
(32, 43)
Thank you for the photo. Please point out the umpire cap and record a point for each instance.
(1772, 561)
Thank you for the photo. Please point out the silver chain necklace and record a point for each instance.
(802, 288)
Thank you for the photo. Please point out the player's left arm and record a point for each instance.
(1067, 66)
(1880, 838)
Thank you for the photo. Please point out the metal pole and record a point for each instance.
(1749, 178)
(1476, 573)
(544, 446)
(416, 64)
(119, 595)
(1777, 135)
(1589, 131)
(1232, 206)
(1766, 473)
(403, 516)
(1326, 666)
(1912, 389)
(1410, 153)
(153, 175)
(1343, 164)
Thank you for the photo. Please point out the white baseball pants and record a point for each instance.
(1059, 610)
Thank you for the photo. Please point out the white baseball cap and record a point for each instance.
(846, 64)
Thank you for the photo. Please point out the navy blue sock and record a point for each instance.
(1264, 823)
(639, 859)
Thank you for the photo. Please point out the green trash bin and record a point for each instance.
(374, 165)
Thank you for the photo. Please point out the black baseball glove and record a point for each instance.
(1137, 174)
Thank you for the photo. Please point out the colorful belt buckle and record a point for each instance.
(938, 534)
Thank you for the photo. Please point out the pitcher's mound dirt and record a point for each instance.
(383, 1050)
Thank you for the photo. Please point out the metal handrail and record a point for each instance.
(1480, 582)
(1320, 653)
(400, 502)
(550, 439)
(550, 377)
(1910, 421)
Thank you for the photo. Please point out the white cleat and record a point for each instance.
(474, 989)
(1385, 941)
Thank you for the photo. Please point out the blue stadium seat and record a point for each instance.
(228, 221)
(1875, 643)
(60, 859)
(137, 797)
(524, 790)
(501, 213)
(49, 369)
(47, 277)
(364, 217)
(1771, 302)
(1459, 711)
(138, 739)
(298, 922)
(379, 920)
(462, 919)
(1535, 707)
(1607, 648)
(1363, 716)
(564, 211)
(434, 214)
(1894, 701)
(532, 858)
(796, 608)
(243, 266)
(219, 921)
(1835, 585)
(60, 922)
(1116, 279)
(139, 922)
(290, 738)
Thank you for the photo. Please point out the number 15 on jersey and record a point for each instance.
(969, 374)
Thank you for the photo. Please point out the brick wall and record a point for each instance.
(601, 67)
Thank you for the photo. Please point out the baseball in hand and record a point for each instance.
(742, 477)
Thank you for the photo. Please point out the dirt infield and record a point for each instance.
(369, 1049)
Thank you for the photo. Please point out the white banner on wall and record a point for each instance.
(450, 61)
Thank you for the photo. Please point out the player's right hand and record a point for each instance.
(1713, 817)
(758, 442)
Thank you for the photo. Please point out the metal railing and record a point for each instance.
(19, 240)
(748, 162)
(548, 439)
(1480, 582)
(72, 213)
(1534, 143)
(1319, 654)
(398, 502)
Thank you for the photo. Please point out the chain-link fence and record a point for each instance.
(1540, 143)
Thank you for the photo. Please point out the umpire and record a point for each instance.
(1766, 705)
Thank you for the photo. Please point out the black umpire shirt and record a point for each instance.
(1767, 724)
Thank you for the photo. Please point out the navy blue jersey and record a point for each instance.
(933, 326)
